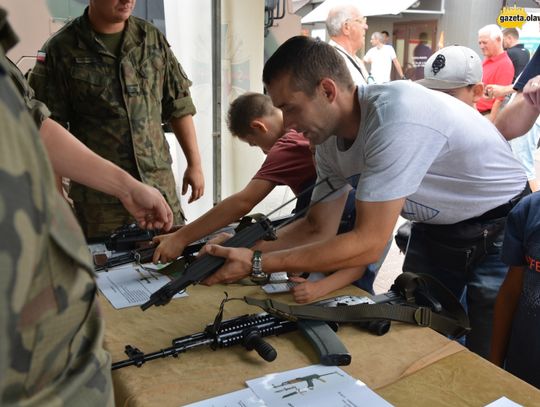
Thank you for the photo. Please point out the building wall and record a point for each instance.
(463, 19)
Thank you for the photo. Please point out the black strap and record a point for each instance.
(503, 210)
(353, 62)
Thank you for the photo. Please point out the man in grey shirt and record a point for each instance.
(419, 153)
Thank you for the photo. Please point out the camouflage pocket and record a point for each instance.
(151, 72)
(89, 87)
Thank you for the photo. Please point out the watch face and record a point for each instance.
(259, 277)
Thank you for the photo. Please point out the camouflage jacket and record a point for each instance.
(50, 333)
(116, 105)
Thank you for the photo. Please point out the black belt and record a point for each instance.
(504, 209)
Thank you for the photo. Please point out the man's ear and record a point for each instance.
(329, 89)
(478, 91)
(259, 125)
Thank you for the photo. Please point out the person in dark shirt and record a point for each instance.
(518, 54)
(421, 54)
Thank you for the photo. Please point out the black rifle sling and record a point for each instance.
(453, 322)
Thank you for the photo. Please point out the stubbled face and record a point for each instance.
(488, 46)
(112, 11)
(308, 115)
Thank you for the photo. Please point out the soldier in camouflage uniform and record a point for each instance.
(114, 84)
(50, 332)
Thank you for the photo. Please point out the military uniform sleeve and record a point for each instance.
(176, 100)
(37, 109)
(49, 87)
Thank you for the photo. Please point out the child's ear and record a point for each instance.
(258, 125)
(478, 91)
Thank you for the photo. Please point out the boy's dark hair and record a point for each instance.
(307, 60)
(246, 108)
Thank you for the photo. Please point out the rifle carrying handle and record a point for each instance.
(331, 350)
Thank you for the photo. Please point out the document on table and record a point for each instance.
(316, 385)
(240, 398)
(131, 284)
(503, 402)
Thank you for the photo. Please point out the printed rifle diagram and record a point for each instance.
(291, 387)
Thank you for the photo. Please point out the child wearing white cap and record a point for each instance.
(457, 71)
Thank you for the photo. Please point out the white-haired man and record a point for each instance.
(347, 27)
(497, 67)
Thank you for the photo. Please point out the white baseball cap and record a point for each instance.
(452, 67)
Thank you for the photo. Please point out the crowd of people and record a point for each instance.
(435, 152)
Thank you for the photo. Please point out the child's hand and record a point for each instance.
(169, 247)
(306, 291)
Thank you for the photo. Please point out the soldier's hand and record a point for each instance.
(194, 178)
(237, 264)
(147, 206)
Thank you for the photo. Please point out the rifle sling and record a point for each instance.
(416, 315)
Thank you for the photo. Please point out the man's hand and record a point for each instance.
(194, 178)
(237, 264)
(531, 92)
(147, 206)
(497, 91)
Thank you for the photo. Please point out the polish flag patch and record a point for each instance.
(41, 56)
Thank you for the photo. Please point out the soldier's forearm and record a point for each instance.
(184, 130)
(72, 159)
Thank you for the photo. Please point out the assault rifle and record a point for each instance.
(207, 264)
(249, 330)
(138, 247)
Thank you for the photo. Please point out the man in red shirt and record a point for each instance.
(497, 67)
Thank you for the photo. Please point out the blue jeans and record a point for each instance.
(481, 281)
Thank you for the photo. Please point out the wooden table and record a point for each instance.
(409, 366)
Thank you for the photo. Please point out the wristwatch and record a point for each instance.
(257, 275)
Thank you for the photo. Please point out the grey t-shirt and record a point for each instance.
(450, 162)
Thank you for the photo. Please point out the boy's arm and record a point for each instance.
(309, 291)
(227, 211)
(505, 308)
(363, 245)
